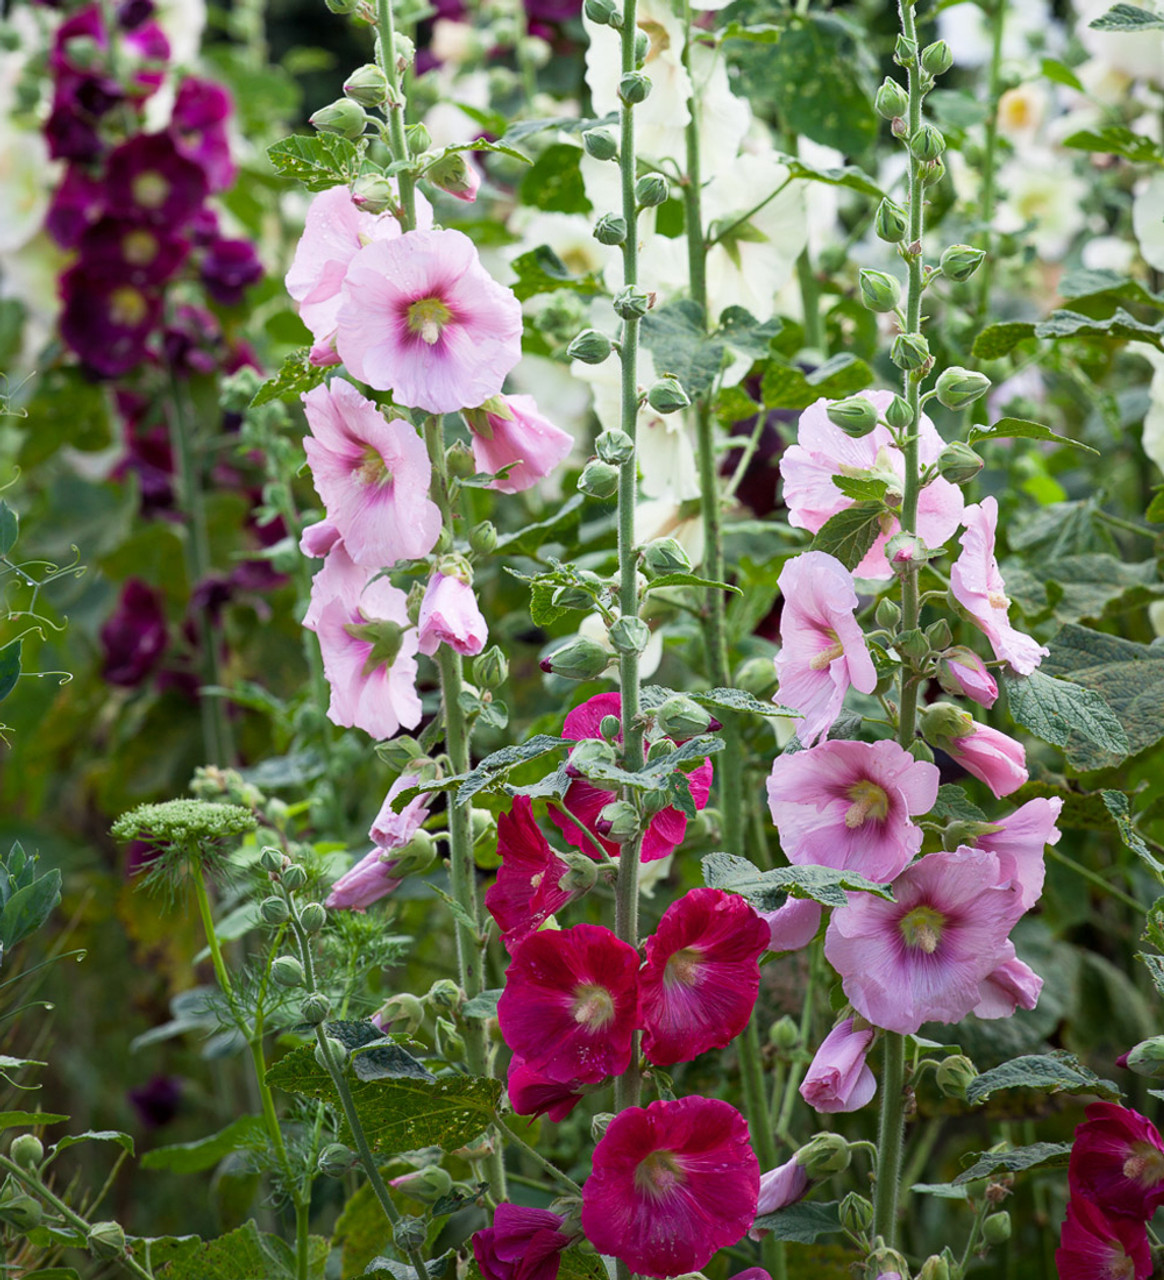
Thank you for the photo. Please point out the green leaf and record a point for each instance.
(532, 537)
(767, 890)
(738, 700)
(1060, 73)
(1071, 324)
(1066, 715)
(954, 805)
(319, 161)
(1070, 588)
(1093, 283)
(243, 1254)
(28, 908)
(758, 33)
(542, 271)
(495, 765)
(998, 340)
(1057, 1072)
(554, 182)
(434, 1267)
(374, 1056)
(398, 1115)
(688, 580)
(1039, 1155)
(847, 176)
(123, 1140)
(9, 667)
(784, 386)
(483, 1005)
(9, 528)
(1019, 428)
(1155, 967)
(861, 488)
(29, 1119)
(1117, 141)
(247, 1133)
(296, 376)
(676, 336)
(1121, 814)
(850, 533)
(53, 1273)
(1127, 17)
(802, 1223)
(743, 332)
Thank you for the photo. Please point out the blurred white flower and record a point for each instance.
(26, 177)
(183, 22)
(1021, 112)
(1108, 253)
(1041, 188)
(1153, 438)
(966, 29)
(1138, 55)
(593, 628)
(30, 276)
(1148, 220)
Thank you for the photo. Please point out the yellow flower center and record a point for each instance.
(998, 600)
(683, 967)
(140, 247)
(427, 317)
(150, 189)
(1144, 1165)
(373, 470)
(819, 661)
(592, 1006)
(922, 928)
(127, 307)
(869, 801)
(658, 1173)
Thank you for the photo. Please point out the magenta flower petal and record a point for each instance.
(702, 976)
(838, 1079)
(532, 1094)
(526, 891)
(670, 1184)
(1117, 1162)
(449, 614)
(530, 445)
(1093, 1246)
(368, 881)
(522, 1244)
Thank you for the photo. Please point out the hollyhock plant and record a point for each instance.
(793, 925)
(522, 1244)
(140, 255)
(823, 451)
(571, 1003)
(977, 585)
(584, 802)
(449, 614)
(508, 431)
(839, 1079)
(701, 977)
(823, 649)
(670, 1184)
(922, 957)
(1093, 1246)
(1012, 985)
(423, 318)
(373, 476)
(532, 1094)
(1019, 841)
(848, 805)
(1117, 1162)
(962, 673)
(527, 889)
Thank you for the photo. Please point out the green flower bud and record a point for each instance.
(578, 659)
(618, 822)
(912, 644)
(879, 290)
(891, 100)
(954, 1074)
(906, 552)
(590, 346)
(634, 86)
(586, 755)
(918, 749)
(295, 876)
(886, 1262)
(449, 1043)
(400, 752)
(938, 634)
(483, 538)
(632, 303)
(932, 172)
(601, 144)
(666, 555)
(784, 1034)
(274, 911)
(756, 676)
(598, 479)
(367, 85)
(419, 140)
(937, 58)
(942, 722)
(599, 1125)
(996, 1228)
(935, 1267)
(887, 615)
(650, 190)
(610, 229)
(452, 173)
(27, 1151)
(491, 668)
(630, 635)
(343, 117)
(958, 463)
(905, 55)
(891, 221)
(610, 727)
(313, 916)
(604, 12)
(958, 387)
(660, 749)
(667, 396)
(445, 994)
(1147, 1058)
(287, 971)
(415, 858)
(909, 351)
(335, 1160)
(402, 1012)
(22, 1212)
(856, 1214)
(681, 717)
(582, 875)
(898, 413)
(315, 1008)
(826, 1154)
(855, 415)
(960, 261)
(426, 1185)
(332, 1053)
(615, 447)
(106, 1239)
(271, 860)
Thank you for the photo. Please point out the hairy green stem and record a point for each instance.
(394, 111)
(542, 1163)
(207, 916)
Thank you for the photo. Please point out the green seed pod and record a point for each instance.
(335, 1160)
(855, 415)
(578, 659)
(313, 916)
(615, 447)
(879, 290)
(618, 822)
(891, 100)
(958, 463)
(681, 717)
(274, 911)
(960, 261)
(650, 190)
(996, 1228)
(937, 58)
(890, 223)
(491, 668)
(590, 346)
(287, 971)
(315, 1008)
(909, 351)
(630, 635)
(958, 387)
(954, 1074)
(106, 1239)
(666, 555)
(667, 396)
(610, 229)
(601, 144)
(367, 85)
(343, 117)
(634, 86)
(631, 303)
(598, 479)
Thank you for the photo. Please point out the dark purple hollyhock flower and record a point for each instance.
(203, 227)
(157, 1101)
(77, 203)
(141, 254)
(228, 268)
(555, 12)
(192, 341)
(132, 13)
(77, 41)
(95, 95)
(70, 134)
(133, 636)
(149, 457)
(146, 178)
(201, 110)
(106, 320)
(149, 48)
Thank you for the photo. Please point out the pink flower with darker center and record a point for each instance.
(532, 1094)
(848, 805)
(922, 957)
(838, 1079)
(508, 431)
(449, 614)
(1117, 1162)
(823, 649)
(423, 318)
(1093, 1246)
(526, 892)
(977, 585)
(823, 451)
(670, 1184)
(571, 1003)
(584, 802)
(373, 476)
(700, 982)
(1020, 841)
(522, 1244)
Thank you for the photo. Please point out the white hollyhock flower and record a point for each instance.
(1148, 220)
(1138, 55)
(26, 174)
(1041, 189)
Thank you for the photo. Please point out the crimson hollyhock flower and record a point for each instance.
(522, 1244)
(532, 1094)
(526, 892)
(670, 1184)
(1093, 1246)
(1117, 1162)
(702, 975)
(571, 1003)
(584, 802)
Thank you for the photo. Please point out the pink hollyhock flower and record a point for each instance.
(752, 1273)
(978, 587)
(317, 539)
(670, 1184)
(368, 881)
(1011, 985)
(372, 475)
(702, 975)
(392, 830)
(526, 892)
(449, 614)
(962, 673)
(838, 1079)
(334, 232)
(793, 925)
(1093, 1246)
(369, 658)
(571, 1003)
(532, 1094)
(423, 318)
(923, 957)
(848, 805)
(1117, 1162)
(823, 451)
(823, 649)
(584, 802)
(522, 1244)
(509, 432)
(340, 578)
(778, 1189)
(1019, 841)
(992, 757)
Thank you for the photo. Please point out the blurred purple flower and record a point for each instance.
(228, 268)
(148, 178)
(106, 320)
(133, 636)
(157, 1101)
